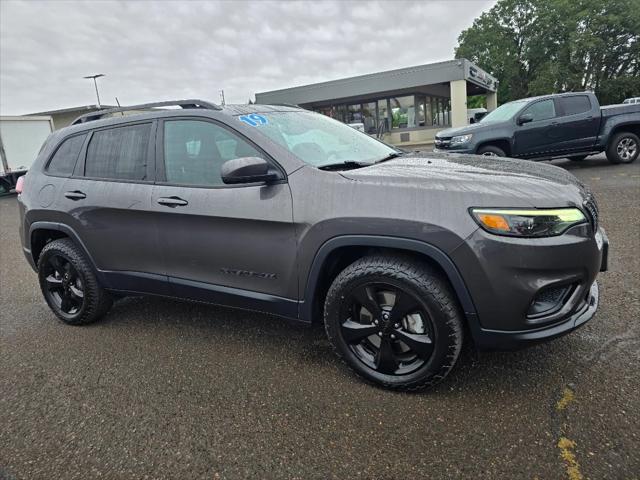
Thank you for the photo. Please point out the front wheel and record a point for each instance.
(623, 148)
(394, 321)
(491, 151)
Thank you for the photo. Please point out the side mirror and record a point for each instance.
(525, 118)
(247, 170)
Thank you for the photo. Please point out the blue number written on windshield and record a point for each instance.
(254, 119)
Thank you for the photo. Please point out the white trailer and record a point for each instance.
(20, 141)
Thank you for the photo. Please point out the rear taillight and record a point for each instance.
(20, 185)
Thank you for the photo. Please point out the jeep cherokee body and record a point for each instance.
(288, 212)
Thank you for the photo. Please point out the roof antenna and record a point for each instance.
(119, 106)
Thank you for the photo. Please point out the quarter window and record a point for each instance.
(542, 110)
(194, 151)
(575, 104)
(119, 153)
(64, 160)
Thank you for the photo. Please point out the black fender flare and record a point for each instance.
(493, 141)
(432, 252)
(67, 230)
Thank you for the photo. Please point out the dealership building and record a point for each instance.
(404, 107)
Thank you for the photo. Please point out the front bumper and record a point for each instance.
(487, 339)
(454, 150)
(505, 276)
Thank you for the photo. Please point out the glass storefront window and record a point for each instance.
(409, 111)
(369, 117)
(420, 111)
(383, 113)
(403, 112)
(354, 114)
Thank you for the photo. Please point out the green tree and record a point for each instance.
(536, 47)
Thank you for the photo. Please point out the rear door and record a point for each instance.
(579, 122)
(108, 203)
(219, 239)
(540, 136)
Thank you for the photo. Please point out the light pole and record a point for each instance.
(95, 83)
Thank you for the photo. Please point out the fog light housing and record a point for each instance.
(549, 300)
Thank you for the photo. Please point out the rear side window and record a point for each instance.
(194, 151)
(119, 153)
(543, 110)
(575, 105)
(64, 160)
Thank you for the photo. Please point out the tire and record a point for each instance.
(577, 158)
(623, 148)
(491, 151)
(69, 284)
(425, 309)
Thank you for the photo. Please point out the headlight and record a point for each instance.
(460, 139)
(528, 223)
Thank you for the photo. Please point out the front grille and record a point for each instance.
(443, 142)
(591, 207)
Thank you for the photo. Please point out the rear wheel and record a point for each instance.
(491, 151)
(394, 321)
(623, 148)
(69, 285)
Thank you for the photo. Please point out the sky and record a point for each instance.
(153, 51)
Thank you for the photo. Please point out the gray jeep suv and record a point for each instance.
(288, 212)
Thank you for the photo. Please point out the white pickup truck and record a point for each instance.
(20, 142)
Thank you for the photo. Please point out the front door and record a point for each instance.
(231, 244)
(540, 136)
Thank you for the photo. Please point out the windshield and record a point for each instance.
(317, 139)
(504, 112)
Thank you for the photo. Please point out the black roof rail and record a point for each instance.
(284, 105)
(194, 103)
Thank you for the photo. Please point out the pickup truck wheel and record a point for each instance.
(394, 321)
(69, 285)
(491, 151)
(577, 158)
(623, 148)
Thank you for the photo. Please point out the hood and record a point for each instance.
(485, 181)
(474, 127)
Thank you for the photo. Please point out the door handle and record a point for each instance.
(75, 195)
(172, 202)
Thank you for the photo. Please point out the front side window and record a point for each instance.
(543, 110)
(319, 140)
(194, 151)
(119, 153)
(64, 160)
(575, 105)
(503, 112)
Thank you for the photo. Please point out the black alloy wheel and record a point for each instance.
(395, 321)
(387, 329)
(69, 284)
(63, 285)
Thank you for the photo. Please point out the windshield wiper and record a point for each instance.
(391, 156)
(344, 165)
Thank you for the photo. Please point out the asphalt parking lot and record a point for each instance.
(165, 389)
